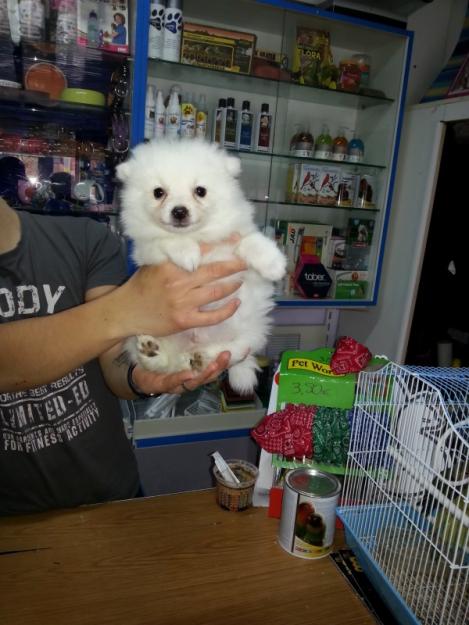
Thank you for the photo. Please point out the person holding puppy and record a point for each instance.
(65, 310)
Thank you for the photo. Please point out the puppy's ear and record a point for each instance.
(123, 171)
(233, 165)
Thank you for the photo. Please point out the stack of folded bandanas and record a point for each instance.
(300, 431)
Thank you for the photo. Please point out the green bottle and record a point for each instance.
(323, 147)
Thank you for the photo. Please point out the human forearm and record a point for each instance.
(37, 351)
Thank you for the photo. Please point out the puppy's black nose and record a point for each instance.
(180, 213)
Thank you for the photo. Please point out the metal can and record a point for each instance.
(307, 524)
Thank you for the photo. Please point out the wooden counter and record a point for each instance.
(176, 559)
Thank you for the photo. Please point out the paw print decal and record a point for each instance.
(173, 21)
(156, 18)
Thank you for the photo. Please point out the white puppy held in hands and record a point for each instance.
(175, 196)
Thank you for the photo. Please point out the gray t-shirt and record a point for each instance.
(61, 444)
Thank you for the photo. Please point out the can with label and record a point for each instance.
(307, 524)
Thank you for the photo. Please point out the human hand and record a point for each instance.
(178, 383)
(164, 299)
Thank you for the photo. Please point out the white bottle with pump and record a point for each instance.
(156, 29)
(149, 130)
(160, 113)
(173, 117)
(172, 30)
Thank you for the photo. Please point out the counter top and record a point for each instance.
(172, 559)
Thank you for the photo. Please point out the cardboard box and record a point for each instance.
(297, 238)
(309, 181)
(216, 48)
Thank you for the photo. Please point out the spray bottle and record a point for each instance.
(149, 113)
(245, 127)
(160, 112)
(220, 122)
(188, 114)
(264, 129)
(173, 117)
(201, 119)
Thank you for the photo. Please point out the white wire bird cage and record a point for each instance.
(405, 503)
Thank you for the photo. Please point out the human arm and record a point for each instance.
(155, 300)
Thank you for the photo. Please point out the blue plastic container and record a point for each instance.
(371, 519)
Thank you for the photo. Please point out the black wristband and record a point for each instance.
(135, 390)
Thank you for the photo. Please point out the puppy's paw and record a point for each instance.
(272, 265)
(263, 255)
(151, 354)
(183, 253)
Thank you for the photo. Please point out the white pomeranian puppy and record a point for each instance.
(175, 196)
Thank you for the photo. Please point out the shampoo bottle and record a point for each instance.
(245, 127)
(231, 124)
(220, 121)
(188, 113)
(156, 29)
(356, 150)
(323, 147)
(264, 129)
(201, 118)
(149, 113)
(173, 117)
(160, 112)
(340, 146)
(172, 30)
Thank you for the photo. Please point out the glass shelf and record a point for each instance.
(277, 155)
(293, 301)
(221, 79)
(99, 215)
(343, 208)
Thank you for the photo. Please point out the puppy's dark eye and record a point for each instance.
(158, 193)
(201, 191)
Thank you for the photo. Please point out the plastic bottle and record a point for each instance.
(231, 125)
(92, 30)
(188, 114)
(66, 24)
(340, 146)
(356, 150)
(220, 121)
(174, 89)
(264, 129)
(172, 30)
(160, 112)
(364, 62)
(32, 15)
(173, 117)
(245, 127)
(156, 29)
(149, 130)
(323, 147)
(302, 143)
(201, 119)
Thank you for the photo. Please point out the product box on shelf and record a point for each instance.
(309, 181)
(349, 284)
(311, 54)
(358, 243)
(216, 48)
(302, 238)
(336, 252)
(103, 24)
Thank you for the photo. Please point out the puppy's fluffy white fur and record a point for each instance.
(176, 195)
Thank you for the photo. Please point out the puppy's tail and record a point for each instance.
(242, 376)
